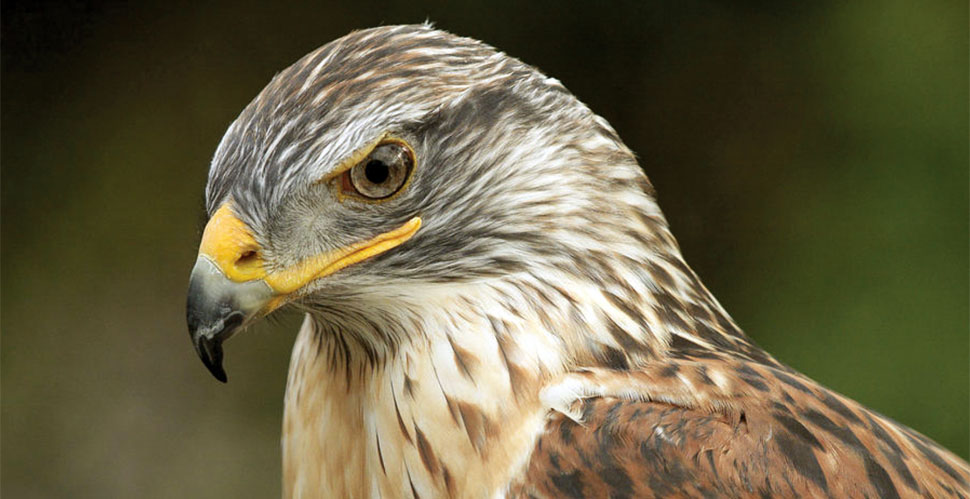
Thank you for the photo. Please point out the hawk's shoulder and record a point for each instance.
(752, 430)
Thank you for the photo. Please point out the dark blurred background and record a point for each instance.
(812, 160)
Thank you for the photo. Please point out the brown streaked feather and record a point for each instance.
(757, 431)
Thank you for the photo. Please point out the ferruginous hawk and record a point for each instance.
(494, 302)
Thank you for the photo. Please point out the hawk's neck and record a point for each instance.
(454, 409)
(455, 406)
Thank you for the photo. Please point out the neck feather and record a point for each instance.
(447, 392)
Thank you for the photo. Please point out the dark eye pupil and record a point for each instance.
(376, 171)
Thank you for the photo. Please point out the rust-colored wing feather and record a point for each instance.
(782, 435)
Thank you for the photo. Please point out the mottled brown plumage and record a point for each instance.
(758, 431)
(513, 319)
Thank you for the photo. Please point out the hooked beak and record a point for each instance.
(217, 307)
(230, 288)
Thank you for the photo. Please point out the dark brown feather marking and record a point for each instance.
(424, 450)
(900, 467)
(380, 454)
(755, 383)
(936, 459)
(464, 359)
(841, 432)
(619, 482)
(798, 430)
(709, 454)
(782, 408)
(792, 382)
(449, 481)
(614, 359)
(836, 405)
(569, 484)
(622, 337)
(702, 374)
(679, 343)
(400, 422)
(745, 370)
(802, 458)
(881, 434)
(879, 478)
(566, 432)
(660, 275)
(414, 491)
(452, 407)
(408, 386)
(892, 452)
(517, 375)
(477, 425)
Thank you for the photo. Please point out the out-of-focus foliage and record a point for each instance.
(811, 156)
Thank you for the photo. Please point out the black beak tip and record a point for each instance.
(210, 351)
(218, 372)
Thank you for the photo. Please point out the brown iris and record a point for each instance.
(381, 174)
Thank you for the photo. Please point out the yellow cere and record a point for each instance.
(230, 245)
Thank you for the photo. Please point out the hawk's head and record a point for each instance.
(401, 161)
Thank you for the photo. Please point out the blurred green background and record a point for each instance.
(812, 160)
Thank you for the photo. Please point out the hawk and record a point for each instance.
(495, 305)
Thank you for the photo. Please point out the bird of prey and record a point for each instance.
(495, 305)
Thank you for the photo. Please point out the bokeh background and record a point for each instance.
(812, 158)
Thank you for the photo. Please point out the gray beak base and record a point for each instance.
(216, 308)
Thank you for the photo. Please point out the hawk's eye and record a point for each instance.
(382, 173)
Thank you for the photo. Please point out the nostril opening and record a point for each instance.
(247, 258)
